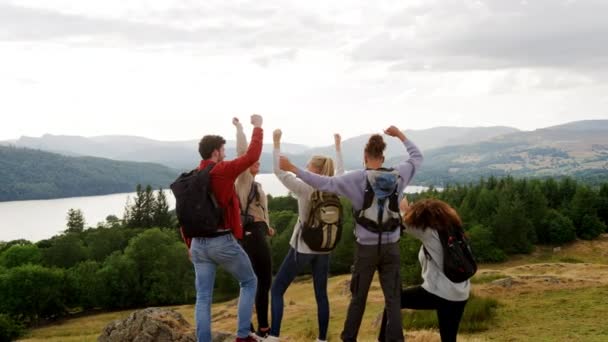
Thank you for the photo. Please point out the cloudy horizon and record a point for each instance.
(174, 70)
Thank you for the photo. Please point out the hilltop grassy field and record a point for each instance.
(550, 295)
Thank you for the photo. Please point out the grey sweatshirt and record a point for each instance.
(352, 186)
(435, 280)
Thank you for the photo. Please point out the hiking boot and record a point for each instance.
(246, 339)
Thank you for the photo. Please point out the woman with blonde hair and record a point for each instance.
(300, 254)
(375, 193)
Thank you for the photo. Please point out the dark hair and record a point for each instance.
(210, 143)
(432, 213)
(375, 146)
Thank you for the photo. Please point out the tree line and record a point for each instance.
(140, 260)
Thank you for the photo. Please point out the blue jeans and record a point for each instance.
(293, 263)
(207, 254)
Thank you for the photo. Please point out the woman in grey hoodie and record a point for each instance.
(377, 236)
(424, 220)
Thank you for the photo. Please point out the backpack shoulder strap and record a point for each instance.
(253, 191)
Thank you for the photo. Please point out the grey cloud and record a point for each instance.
(208, 26)
(494, 35)
(267, 60)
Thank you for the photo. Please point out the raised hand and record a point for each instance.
(256, 120)
(338, 141)
(404, 205)
(235, 121)
(286, 165)
(276, 135)
(393, 131)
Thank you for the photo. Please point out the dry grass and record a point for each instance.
(548, 301)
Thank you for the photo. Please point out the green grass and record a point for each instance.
(571, 260)
(487, 278)
(562, 315)
(478, 315)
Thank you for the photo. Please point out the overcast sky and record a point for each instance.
(174, 70)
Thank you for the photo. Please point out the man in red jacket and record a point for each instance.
(222, 249)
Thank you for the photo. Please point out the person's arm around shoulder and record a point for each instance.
(346, 185)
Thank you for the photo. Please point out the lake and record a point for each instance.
(41, 219)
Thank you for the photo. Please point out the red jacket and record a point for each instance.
(223, 176)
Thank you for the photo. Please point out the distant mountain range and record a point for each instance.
(578, 149)
(183, 155)
(452, 155)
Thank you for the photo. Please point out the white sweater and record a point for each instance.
(302, 191)
(435, 280)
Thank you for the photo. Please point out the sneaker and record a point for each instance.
(257, 336)
(271, 338)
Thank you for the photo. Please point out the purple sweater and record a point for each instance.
(352, 186)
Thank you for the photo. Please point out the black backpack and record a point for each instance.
(247, 219)
(323, 228)
(458, 261)
(197, 210)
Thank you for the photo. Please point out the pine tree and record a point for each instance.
(75, 220)
(161, 216)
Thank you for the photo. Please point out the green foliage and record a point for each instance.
(18, 255)
(584, 203)
(591, 227)
(163, 267)
(32, 292)
(281, 220)
(483, 245)
(121, 282)
(75, 220)
(10, 329)
(557, 229)
(148, 210)
(21, 177)
(65, 251)
(341, 258)
(410, 267)
(513, 232)
(84, 284)
(283, 203)
(6, 245)
(160, 211)
(105, 241)
(478, 316)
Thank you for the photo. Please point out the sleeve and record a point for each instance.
(235, 167)
(339, 163)
(241, 140)
(347, 185)
(416, 232)
(290, 181)
(407, 169)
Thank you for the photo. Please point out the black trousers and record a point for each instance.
(449, 313)
(258, 249)
(368, 259)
